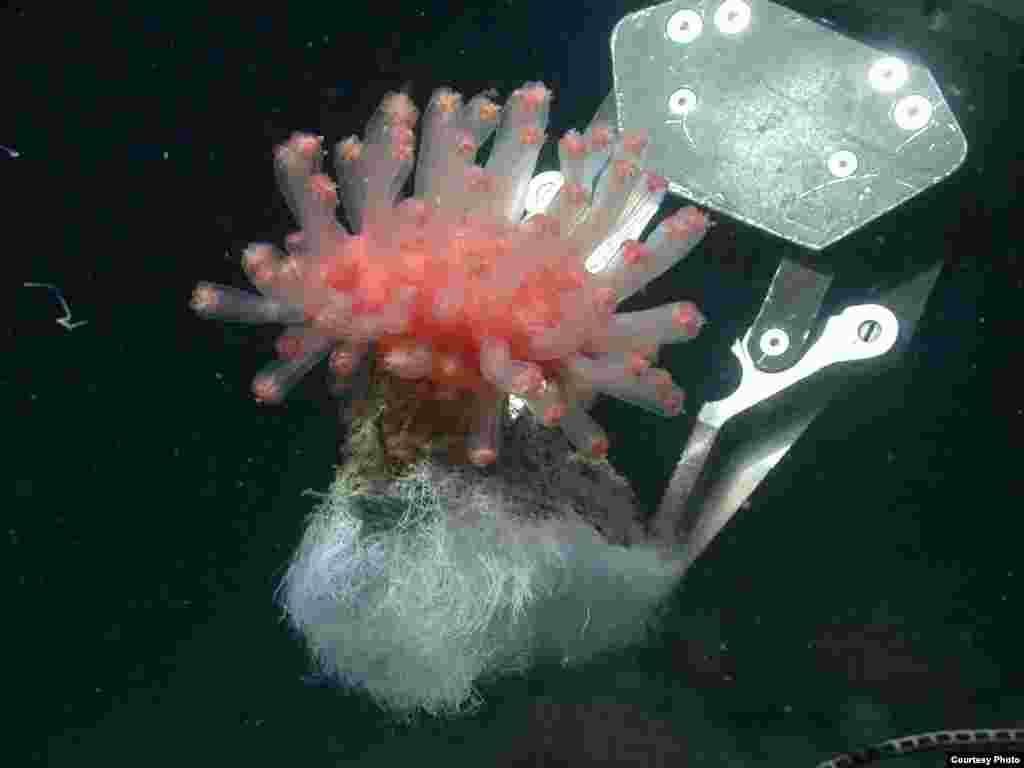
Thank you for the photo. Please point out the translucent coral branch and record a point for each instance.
(346, 362)
(443, 156)
(667, 324)
(273, 383)
(222, 302)
(373, 172)
(310, 194)
(637, 264)
(648, 388)
(516, 147)
(484, 440)
(583, 432)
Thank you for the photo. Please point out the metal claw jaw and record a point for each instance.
(789, 126)
(703, 495)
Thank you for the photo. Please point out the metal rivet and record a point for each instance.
(774, 342)
(888, 74)
(732, 17)
(542, 190)
(842, 164)
(869, 331)
(682, 102)
(684, 26)
(912, 113)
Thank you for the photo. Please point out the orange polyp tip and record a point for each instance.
(633, 252)
(533, 96)
(324, 190)
(573, 143)
(204, 298)
(686, 315)
(531, 136)
(684, 223)
(656, 183)
(307, 145)
(600, 137)
(625, 169)
(400, 108)
(635, 142)
(350, 149)
(259, 263)
(449, 100)
(488, 110)
(266, 390)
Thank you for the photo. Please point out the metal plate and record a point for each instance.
(767, 116)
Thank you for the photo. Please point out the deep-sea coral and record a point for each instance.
(451, 288)
(418, 576)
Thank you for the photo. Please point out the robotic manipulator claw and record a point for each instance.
(775, 116)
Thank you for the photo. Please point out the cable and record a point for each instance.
(1004, 738)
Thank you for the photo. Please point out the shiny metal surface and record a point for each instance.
(774, 119)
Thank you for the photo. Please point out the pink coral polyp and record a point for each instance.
(452, 286)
